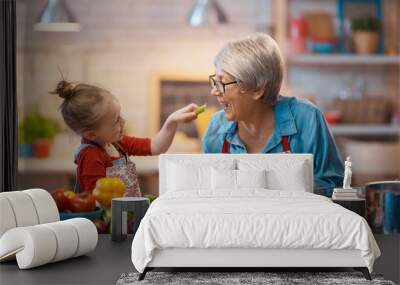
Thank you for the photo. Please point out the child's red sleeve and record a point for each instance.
(136, 146)
(91, 167)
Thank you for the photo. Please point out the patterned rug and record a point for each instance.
(243, 278)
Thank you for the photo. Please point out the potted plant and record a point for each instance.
(38, 131)
(365, 34)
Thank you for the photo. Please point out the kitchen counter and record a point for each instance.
(144, 164)
(65, 145)
(62, 155)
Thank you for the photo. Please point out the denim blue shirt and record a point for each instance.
(307, 131)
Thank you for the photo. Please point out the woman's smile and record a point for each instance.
(227, 106)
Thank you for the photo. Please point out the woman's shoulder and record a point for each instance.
(303, 110)
(307, 116)
(300, 105)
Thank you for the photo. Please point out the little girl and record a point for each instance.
(94, 114)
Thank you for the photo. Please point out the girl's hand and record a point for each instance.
(163, 139)
(184, 115)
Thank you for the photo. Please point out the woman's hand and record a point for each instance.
(183, 115)
(163, 139)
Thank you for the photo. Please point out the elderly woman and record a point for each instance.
(256, 119)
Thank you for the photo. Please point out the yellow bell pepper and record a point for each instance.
(108, 188)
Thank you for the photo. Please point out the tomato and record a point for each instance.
(82, 202)
(101, 226)
(69, 194)
(60, 199)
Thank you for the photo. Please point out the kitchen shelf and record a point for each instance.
(365, 130)
(343, 59)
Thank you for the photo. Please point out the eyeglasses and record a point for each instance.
(219, 85)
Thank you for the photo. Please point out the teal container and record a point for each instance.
(389, 208)
(96, 214)
(383, 206)
(25, 150)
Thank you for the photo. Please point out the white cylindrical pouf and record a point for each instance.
(34, 246)
(45, 205)
(7, 217)
(67, 239)
(87, 235)
(23, 208)
(40, 244)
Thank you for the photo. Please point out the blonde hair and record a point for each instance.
(256, 62)
(84, 105)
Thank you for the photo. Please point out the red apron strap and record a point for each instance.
(285, 144)
(121, 151)
(225, 147)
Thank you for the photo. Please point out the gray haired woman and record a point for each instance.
(257, 119)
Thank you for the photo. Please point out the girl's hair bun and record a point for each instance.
(64, 89)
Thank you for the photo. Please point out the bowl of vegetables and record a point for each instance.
(72, 205)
